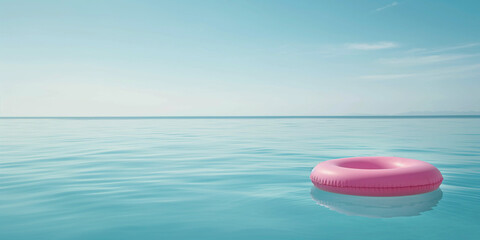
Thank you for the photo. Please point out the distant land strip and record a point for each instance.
(246, 117)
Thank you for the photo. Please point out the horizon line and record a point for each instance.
(244, 117)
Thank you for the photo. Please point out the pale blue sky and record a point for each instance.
(164, 58)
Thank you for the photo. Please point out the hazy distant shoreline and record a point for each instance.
(247, 117)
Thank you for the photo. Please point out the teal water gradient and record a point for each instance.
(227, 178)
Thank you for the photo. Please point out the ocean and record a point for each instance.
(228, 178)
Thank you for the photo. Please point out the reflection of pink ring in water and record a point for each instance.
(376, 176)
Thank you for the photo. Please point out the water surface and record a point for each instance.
(228, 178)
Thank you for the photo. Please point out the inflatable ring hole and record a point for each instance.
(360, 164)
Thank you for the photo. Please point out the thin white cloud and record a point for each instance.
(444, 73)
(446, 49)
(393, 4)
(416, 50)
(326, 50)
(387, 76)
(429, 59)
(372, 46)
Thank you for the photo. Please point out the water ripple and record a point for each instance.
(225, 178)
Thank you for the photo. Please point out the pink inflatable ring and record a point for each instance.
(376, 176)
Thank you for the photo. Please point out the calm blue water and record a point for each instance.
(228, 178)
